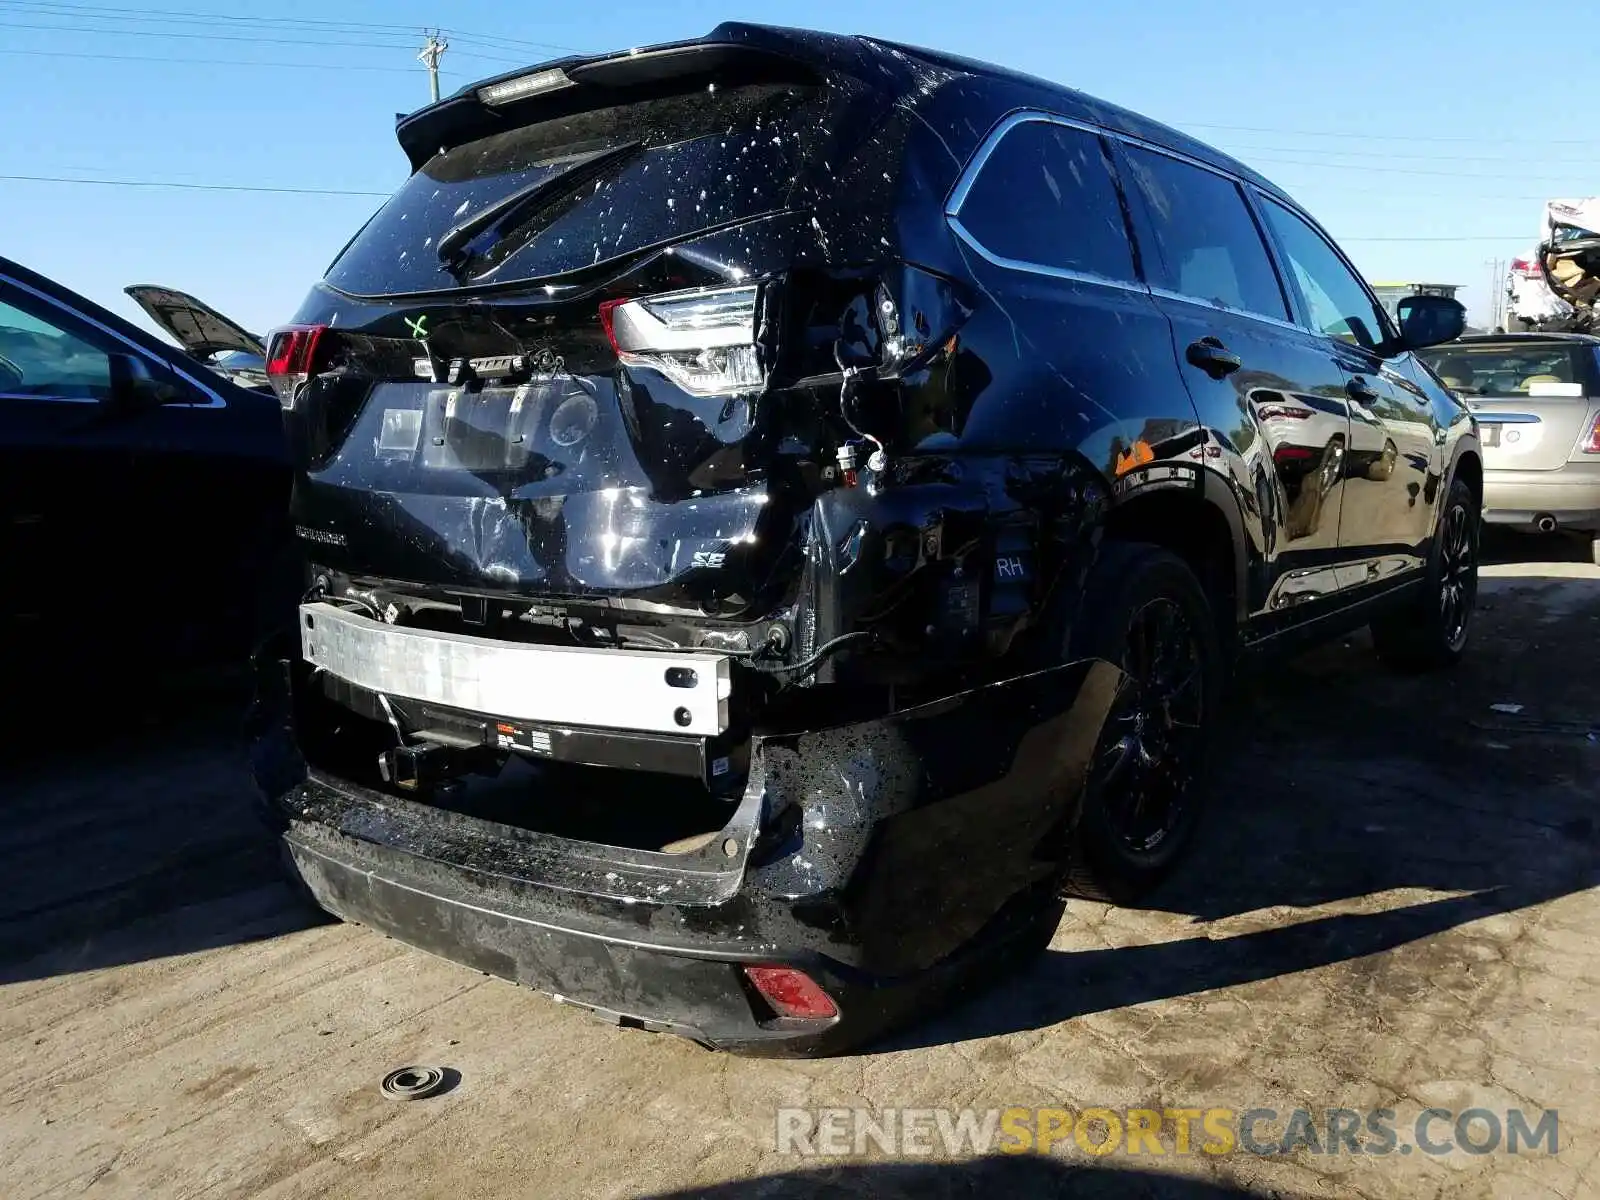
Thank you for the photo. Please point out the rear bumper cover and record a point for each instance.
(1570, 494)
(889, 859)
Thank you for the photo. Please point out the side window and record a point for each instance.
(1338, 304)
(1207, 243)
(1045, 196)
(39, 358)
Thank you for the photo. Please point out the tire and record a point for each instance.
(1138, 598)
(1430, 632)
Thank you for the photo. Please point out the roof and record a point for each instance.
(421, 132)
(1481, 339)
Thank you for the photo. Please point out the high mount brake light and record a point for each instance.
(523, 86)
(704, 341)
(292, 358)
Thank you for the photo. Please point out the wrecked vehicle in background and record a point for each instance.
(782, 509)
(1554, 289)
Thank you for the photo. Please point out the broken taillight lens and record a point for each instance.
(792, 993)
(1525, 267)
(292, 359)
(704, 341)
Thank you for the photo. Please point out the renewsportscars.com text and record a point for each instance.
(856, 1132)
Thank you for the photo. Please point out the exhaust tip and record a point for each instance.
(1544, 523)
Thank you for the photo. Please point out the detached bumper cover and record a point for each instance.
(886, 858)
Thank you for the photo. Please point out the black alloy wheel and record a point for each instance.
(1149, 756)
(1458, 576)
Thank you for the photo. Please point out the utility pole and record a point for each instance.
(1496, 292)
(432, 51)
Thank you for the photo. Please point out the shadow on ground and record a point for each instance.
(127, 833)
(1023, 1176)
(1338, 781)
(1509, 546)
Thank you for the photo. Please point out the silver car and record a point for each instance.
(1537, 400)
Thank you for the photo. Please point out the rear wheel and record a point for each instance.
(1144, 610)
(1431, 632)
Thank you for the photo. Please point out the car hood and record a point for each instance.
(198, 328)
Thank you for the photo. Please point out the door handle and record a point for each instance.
(1361, 390)
(1212, 357)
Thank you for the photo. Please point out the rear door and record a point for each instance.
(1271, 390)
(64, 480)
(1394, 461)
(1535, 399)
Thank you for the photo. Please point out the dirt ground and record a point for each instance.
(1393, 904)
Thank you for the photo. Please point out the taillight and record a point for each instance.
(792, 993)
(704, 341)
(1525, 267)
(1591, 442)
(1278, 412)
(292, 359)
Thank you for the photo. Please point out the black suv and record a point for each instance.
(784, 510)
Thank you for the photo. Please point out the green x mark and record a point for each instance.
(418, 327)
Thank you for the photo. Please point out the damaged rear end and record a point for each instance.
(661, 651)
(1569, 260)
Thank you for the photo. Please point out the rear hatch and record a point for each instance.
(1535, 399)
(544, 366)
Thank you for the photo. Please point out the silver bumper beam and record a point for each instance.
(641, 690)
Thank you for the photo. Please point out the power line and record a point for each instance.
(1501, 160)
(204, 37)
(248, 38)
(207, 62)
(301, 191)
(210, 20)
(199, 187)
(1390, 137)
(1371, 169)
(1466, 237)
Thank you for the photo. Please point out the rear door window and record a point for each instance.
(1337, 303)
(1045, 197)
(1207, 244)
(684, 163)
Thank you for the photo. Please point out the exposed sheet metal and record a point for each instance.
(608, 689)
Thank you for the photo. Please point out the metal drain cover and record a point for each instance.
(413, 1083)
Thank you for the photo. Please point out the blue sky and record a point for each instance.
(1424, 135)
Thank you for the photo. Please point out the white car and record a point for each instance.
(1530, 302)
(1556, 287)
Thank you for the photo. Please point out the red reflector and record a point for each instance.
(791, 993)
(1591, 444)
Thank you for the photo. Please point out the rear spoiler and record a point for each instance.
(734, 52)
